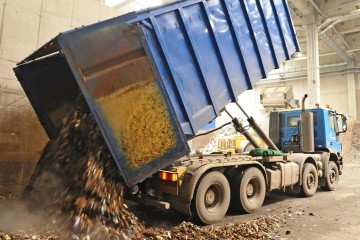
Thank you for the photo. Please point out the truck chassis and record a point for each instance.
(207, 186)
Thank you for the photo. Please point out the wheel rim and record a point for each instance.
(213, 197)
(332, 176)
(310, 180)
(252, 189)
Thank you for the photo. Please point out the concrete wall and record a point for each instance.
(357, 83)
(24, 27)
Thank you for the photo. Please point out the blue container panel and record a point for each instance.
(211, 125)
(227, 44)
(261, 36)
(245, 40)
(207, 54)
(212, 51)
(183, 66)
(274, 27)
(288, 31)
(173, 91)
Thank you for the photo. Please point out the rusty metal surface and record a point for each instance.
(126, 98)
(122, 90)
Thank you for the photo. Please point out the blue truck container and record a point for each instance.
(153, 78)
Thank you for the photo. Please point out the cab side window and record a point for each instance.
(293, 121)
(332, 122)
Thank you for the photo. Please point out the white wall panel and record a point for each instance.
(85, 12)
(106, 13)
(2, 3)
(5, 66)
(334, 92)
(357, 85)
(20, 28)
(56, 18)
(27, 25)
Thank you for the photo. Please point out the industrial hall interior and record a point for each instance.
(179, 119)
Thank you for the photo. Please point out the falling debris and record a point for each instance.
(77, 180)
(78, 184)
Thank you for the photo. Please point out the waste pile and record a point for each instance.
(78, 184)
(6, 236)
(76, 175)
(257, 229)
(354, 152)
(6, 196)
(261, 228)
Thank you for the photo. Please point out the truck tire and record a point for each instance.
(309, 180)
(332, 177)
(248, 191)
(248, 147)
(212, 198)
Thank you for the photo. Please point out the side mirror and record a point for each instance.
(343, 123)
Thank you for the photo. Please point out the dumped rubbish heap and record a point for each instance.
(77, 183)
(76, 174)
(354, 152)
(6, 196)
(5, 236)
(261, 228)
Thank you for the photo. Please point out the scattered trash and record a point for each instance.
(6, 196)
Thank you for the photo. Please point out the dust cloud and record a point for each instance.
(17, 218)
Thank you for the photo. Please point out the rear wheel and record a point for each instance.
(309, 180)
(332, 177)
(212, 198)
(249, 147)
(248, 191)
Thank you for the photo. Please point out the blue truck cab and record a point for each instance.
(328, 124)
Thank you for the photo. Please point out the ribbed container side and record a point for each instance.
(153, 78)
(208, 52)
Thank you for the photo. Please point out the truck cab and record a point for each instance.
(327, 125)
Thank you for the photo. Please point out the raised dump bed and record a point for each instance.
(153, 78)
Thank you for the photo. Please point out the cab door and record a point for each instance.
(332, 133)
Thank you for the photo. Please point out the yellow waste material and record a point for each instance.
(140, 121)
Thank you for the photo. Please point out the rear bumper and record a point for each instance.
(180, 205)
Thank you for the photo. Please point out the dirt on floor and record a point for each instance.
(327, 215)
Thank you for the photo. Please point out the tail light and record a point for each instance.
(173, 175)
(168, 176)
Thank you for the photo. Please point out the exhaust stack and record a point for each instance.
(303, 103)
(306, 129)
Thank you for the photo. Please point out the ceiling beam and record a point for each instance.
(351, 30)
(330, 23)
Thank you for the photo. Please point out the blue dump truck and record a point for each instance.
(152, 79)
